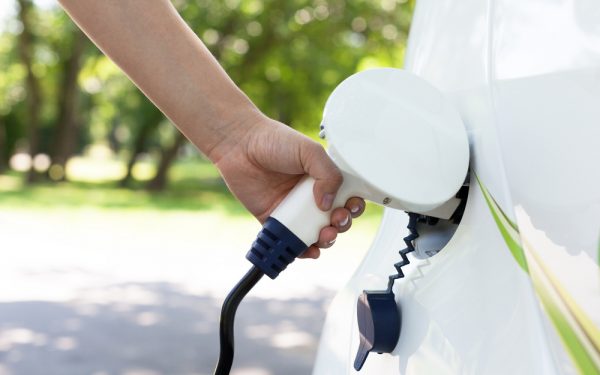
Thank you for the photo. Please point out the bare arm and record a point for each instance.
(168, 62)
(259, 158)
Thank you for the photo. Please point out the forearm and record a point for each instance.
(150, 42)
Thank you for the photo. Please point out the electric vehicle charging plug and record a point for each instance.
(274, 248)
(376, 121)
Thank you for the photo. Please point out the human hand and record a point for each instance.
(263, 160)
(260, 159)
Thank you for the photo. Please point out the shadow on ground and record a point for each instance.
(151, 329)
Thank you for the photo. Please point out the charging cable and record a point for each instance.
(228, 310)
(274, 248)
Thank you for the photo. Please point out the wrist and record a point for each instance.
(233, 131)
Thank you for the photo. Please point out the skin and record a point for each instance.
(260, 159)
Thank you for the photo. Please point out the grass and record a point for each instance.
(205, 192)
(194, 185)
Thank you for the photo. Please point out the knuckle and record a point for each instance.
(337, 177)
(314, 149)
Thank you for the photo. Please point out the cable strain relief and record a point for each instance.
(274, 248)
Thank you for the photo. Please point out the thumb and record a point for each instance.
(319, 166)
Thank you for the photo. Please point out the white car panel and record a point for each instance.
(517, 289)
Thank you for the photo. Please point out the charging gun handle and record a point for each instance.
(292, 227)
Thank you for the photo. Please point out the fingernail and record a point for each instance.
(327, 201)
(355, 209)
(331, 242)
(344, 222)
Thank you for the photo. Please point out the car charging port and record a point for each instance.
(435, 233)
(378, 315)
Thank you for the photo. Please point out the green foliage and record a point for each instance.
(289, 55)
(286, 55)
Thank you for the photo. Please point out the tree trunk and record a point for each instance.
(32, 85)
(3, 146)
(168, 156)
(139, 146)
(68, 123)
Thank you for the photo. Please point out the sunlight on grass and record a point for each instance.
(195, 185)
(109, 168)
(9, 182)
(87, 169)
(143, 171)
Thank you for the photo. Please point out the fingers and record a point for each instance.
(356, 206)
(341, 218)
(341, 221)
(327, 237)
(319, 166)
(312, 252)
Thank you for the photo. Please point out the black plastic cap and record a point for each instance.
(379, 324)
(274, 248)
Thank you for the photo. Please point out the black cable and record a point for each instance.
(226, 324)
(408, 240)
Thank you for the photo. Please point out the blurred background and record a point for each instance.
(118, 240)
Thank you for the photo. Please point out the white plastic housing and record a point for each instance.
(397, 141)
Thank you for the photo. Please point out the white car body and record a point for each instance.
(517, 288)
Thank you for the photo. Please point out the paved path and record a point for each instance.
(139, 293)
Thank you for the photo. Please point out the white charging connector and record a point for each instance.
(398, 142)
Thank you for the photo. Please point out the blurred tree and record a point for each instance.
(12, 93)
(33, 95)
(59, 97)
(149, 119)
(3, 146)
(167, 157)
(66, 129)
(288, 56)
